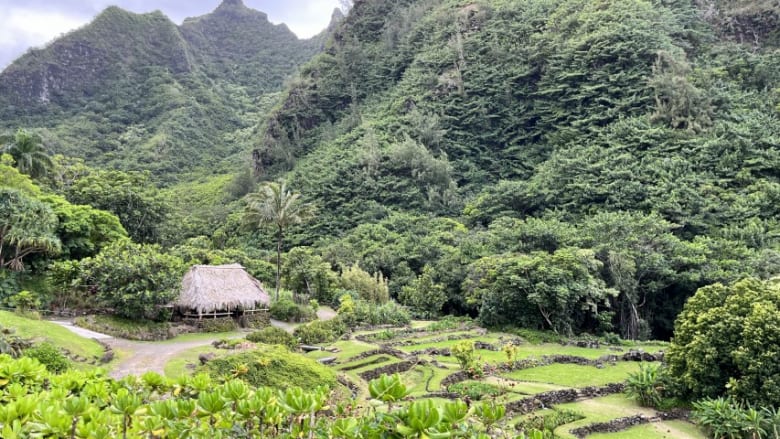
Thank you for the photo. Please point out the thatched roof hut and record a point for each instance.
(212, 288)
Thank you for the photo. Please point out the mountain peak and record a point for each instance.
(231, 3)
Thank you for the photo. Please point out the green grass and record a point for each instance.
(180, 365)
(658, 430)
(346, 349)
(572, 375)
(125, 328)
(199, 336)
(41, 330)
(602, 409)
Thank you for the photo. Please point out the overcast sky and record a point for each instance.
(26, 23)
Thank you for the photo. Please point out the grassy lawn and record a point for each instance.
(346, 349)
(657, 430)
(601, 409)
(572, 375)
(179, 365)
(199, 336)
(55, 334)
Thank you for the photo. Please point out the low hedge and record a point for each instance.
(273, 336)
(288, 311)
(143, 330)
(321, 331)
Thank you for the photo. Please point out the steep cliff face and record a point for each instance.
(135, 91)
(239, 44)
(117, 45)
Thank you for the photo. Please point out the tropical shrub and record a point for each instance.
(475, 390)
(727, 341)
(134, 280)
(726, 418)
(272, 366)
(467, 358)
(648, 385)
(372, 288)
(37, 403)
(423, 295)
(286, 310)
(273, 335)
(49, 356)
(321, 331)
(362, 312)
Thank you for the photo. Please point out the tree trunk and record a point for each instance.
(278, 260)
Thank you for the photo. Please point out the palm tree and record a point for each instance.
(28, 153)
(274, 206)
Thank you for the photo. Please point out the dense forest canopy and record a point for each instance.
(572, 165)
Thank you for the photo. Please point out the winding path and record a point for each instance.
(138, 357)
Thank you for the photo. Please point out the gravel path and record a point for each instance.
(86, 333)
(142, 356)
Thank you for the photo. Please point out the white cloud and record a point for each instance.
(33, 23)
(35, 27)
(310, 18)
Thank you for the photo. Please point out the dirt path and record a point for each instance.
(141, 357)
(138, 357)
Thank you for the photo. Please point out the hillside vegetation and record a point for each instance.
(549, 168)
(136, 92)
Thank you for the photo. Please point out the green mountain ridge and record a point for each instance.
(136, 92)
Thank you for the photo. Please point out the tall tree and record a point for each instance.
(27, 226)
(28, 152)
(275, 206)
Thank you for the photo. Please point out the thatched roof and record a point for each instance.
(209, 288)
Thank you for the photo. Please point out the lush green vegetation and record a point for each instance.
(272, 366)
(547, 167)
(52, 333)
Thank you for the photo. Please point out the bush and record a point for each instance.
(288, 311)
(321, 331)
(25, 301)
(474, 389)
(424, 295)
(134, 280)
(361, 312)
(373, 288)
(48, 355)
(725, 418)
(126, 328)
(648, 385)
(272, 335)
(548, 422)
(272, 366)
(726, 341)
(466, 355)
